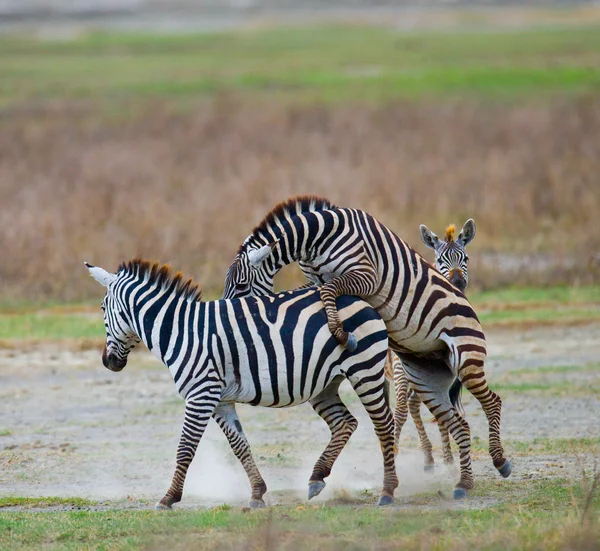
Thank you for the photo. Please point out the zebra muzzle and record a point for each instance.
(113, 362)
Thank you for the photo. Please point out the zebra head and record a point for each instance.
(451, 257)
(120, 337)
(246, 277)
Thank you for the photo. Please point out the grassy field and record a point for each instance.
(505, 308)
(553, 512)
(117, 145)
(330, 63)
(174, 147)
(69, 420)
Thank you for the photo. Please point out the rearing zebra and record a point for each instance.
(273, 351)
(431, 325)
(451, 260)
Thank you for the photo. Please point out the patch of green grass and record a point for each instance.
(522, 515)
(552, 380)
(540, 315)
(5, 432)
(27, 502)
(557, 445)
(549, 388)
(544, 305)
(51, 325)
(564, 305)
(553, 446)
(528, 295)
(551, 369)
(323, 62)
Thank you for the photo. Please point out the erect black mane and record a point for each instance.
(294, 205)
(164, 276)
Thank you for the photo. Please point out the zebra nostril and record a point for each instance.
(112, 362)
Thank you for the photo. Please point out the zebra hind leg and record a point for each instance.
(472, 376)
(226, 417)
(360, 283)
(342, 424)
(414, 406)
(372, 396)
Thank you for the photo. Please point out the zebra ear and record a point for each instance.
(257, 256)
(101, 275)
(467, 233)
(429, 238)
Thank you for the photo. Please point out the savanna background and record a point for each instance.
(168, 130)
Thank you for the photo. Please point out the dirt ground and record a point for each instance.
(69, 427)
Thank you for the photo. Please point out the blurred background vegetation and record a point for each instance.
(168, 131)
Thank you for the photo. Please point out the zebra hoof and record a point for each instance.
(351, 343)
(506, 469)
(163, 507)
(428, 468)
(385, 500)
(459, 493)
(315, 488)
(256, 504)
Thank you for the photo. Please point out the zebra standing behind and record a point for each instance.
(431, 325)
(451, 260)
(272, 351)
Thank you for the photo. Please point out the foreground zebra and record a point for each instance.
(431, 325)
(451, 260)
(271, 351)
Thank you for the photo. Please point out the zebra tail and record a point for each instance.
(454, 392)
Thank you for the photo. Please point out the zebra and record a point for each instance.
(273, 351)
(451, 260)
(431, 324)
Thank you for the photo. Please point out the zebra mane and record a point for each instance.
(294, 205)
(164, 276)
(450, 233)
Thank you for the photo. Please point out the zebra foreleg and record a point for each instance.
(447, 450)
(342, 424)
(374, 400)
(226, 417)
(414, 406)
(458, 427)
(360, 283)
(198, 411)
(393, 365)
(431, 380)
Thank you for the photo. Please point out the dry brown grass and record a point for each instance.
(85, 183)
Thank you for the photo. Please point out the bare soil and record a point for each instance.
(71, 428)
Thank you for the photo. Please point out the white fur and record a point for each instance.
(101, 275)
(429, 238)
(257, 256)
(467, 233)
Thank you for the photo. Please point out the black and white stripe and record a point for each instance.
(272, 351)
(430, 323)
(451, 260)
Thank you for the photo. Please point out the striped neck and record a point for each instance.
(155, 312)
